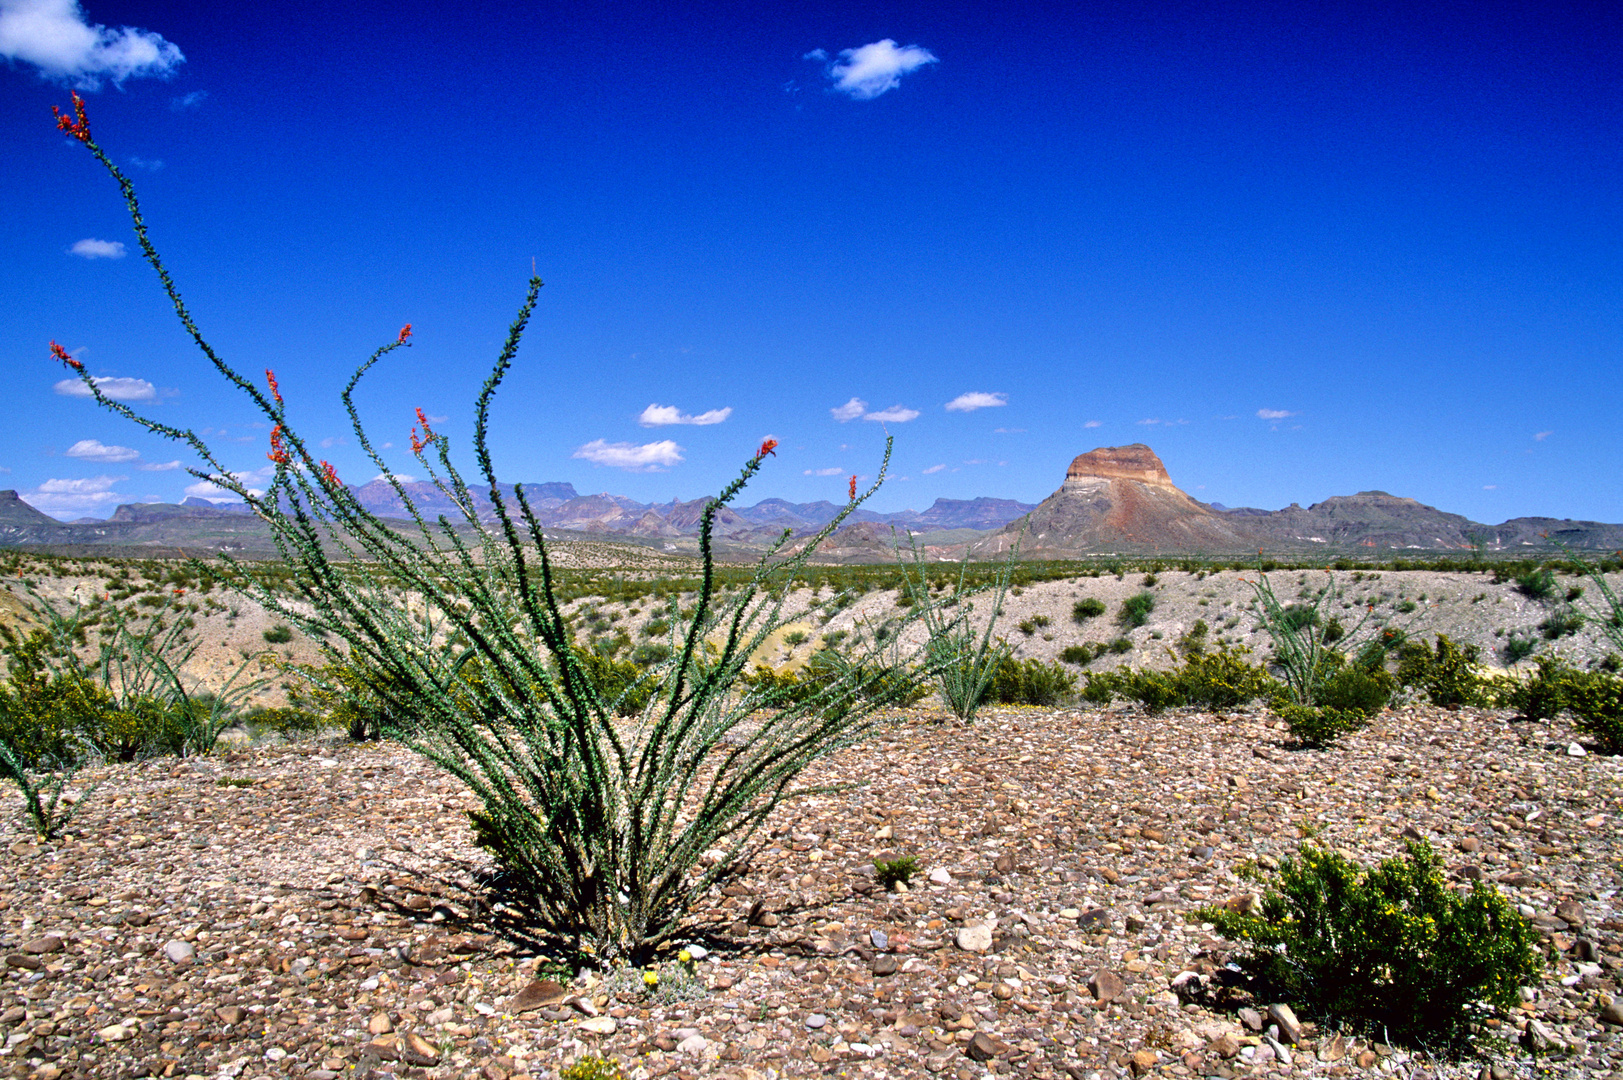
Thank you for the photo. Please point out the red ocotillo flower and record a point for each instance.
(405, 332)
(417, 444)
(769, 446)
(63, 355)
(270, 377)
(851, 488)
(78, 125)
(278, 452)
(330, 475)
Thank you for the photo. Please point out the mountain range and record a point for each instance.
(1113, 499)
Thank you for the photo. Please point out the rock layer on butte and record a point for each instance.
(1117, 497)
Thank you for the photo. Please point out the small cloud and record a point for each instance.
(333, 440)
(976, 400)
(649, 457)
(1274, 414)
(119, 389)
(823, 472)
(1093, 423)
(896, 414)
(1151, 422)
(188, 101)
(867, 71)
(1490, 487)
(67, 496)
(150, 165)
(1541, 436)
(91, 450)
(432, 419)
(98, 249)
(158, 466)
(665, 415)
(1008, 431)
(53, 36)
(404, 478)
(851, 410)
(933, 469)
(213, 492)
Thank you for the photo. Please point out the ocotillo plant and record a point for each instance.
(601, 822)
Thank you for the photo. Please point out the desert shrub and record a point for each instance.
(1135, 610)
(1099, 687)
(1596, 700)
(1081, 654)
(1193, 642)
(1560, 623)
(1297, 617)
(289, 721)
(591, 1067)
(1223, 680)
(1389, 951)
(1155, 690)
(1445, 673)
(900, 869)
(1537, 582)
(1030, 682)
(1541, 695)
(1518, 648)
(1321, 725)
(965, 662)
(1357, 688)
(1120, 645)
(1083, 610)
(279, 635)
(1302, 653)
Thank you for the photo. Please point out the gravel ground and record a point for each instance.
(312, 910)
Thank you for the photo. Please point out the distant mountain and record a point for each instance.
(1120, 498)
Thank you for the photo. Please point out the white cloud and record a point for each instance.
(149, 164)
(869, 70)
(649, 457)
(1008, 431)
(333, 440)
(851, 410)
(896, 414)
(1490, 487)
(933, 469)
(98, 249)
(66, 496)
(1152, 421)
(1274, 414)
(404, 478)
(976, 400)
(118, 389)
(1541, 436)
(91, 450)
(823, 472)
(158, 466)
(1093, 423)
(665, 415)
(188, 101)
(54, 37)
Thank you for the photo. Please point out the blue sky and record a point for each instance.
(1299, 250)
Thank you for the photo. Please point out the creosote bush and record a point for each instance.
(600, 799)
(1388, 951)
(888, 872)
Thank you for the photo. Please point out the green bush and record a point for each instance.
(1541, 695)
(1446, 673)
(1320, 725)
(1560, 623)
(1390, 951)
(279, 635)
(1223, 680)
(1081, 654)
(888, 872)
(1083, 610)
(591, 1067)
(1537, 582)
(1518, 648)
(1030, 682)
(1357, 688)
(1596, 700)
(288, 721)
(1121, 645)
(1135, 610)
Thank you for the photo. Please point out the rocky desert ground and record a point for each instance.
(317, 908)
